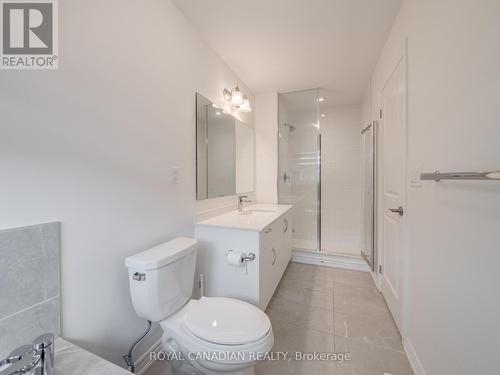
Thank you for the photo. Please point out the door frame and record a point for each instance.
(402, 57)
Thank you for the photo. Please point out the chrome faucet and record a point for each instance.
(34, 359)
(241, 200)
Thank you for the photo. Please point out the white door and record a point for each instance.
(394, 141)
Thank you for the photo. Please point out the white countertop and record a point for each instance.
(255, 217)
(71, 360)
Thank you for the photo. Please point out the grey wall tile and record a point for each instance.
(22, 328)
(51, 236)
(20, 255)
(29, 265)
(29, 284)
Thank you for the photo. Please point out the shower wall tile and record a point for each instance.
(29, 283)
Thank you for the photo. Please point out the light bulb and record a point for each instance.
(245, 106)
(236, 97)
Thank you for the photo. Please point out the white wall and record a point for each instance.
(366, 107)
(453, 125)
(341, 179)
(245, 158)
(266, 147)
(92, 144)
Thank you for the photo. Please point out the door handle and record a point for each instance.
(286, 225)
(398, 210)
(274, 252)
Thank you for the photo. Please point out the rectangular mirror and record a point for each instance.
(224, 152)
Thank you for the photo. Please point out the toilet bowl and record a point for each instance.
(218, 335)
(212, 335)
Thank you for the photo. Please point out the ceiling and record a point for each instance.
(288, 45)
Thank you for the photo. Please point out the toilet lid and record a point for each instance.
(226, 321)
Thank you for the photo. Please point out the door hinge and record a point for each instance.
(380, 269)
(380, 113)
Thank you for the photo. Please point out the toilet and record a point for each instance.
(212, 335)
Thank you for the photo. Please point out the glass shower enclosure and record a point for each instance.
(348, 219)
(299, 164)
(368, 136)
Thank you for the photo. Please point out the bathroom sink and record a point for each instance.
(255, 212)
(253, 217)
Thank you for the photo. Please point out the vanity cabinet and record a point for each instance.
(256, 280)
(275, 253)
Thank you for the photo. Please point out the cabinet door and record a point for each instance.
(269, 275)
(286, 237)
(283, 243)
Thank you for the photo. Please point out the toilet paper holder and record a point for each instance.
(249, 258)
(244, 259)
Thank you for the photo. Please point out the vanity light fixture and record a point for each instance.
(227, 95)
(321, 100)
(237, 99)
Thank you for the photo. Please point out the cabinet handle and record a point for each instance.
(274, 252)
(268, 230)
(286, 226)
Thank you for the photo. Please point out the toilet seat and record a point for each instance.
(175, 328)
(226, 321)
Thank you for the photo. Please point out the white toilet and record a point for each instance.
(213, 335)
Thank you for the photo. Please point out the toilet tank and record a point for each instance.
(161, 278)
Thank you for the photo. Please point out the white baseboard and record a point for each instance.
(415, 363)
(144, 361)
(350, 262)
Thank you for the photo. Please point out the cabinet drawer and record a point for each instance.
(276, 230)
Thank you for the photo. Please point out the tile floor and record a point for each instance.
(322, 309)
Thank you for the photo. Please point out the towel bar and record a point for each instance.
(481, 175)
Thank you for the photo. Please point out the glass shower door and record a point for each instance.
(299, 165)
(368, 242)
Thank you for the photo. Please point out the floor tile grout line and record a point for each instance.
(304, 304)
(326, 333)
